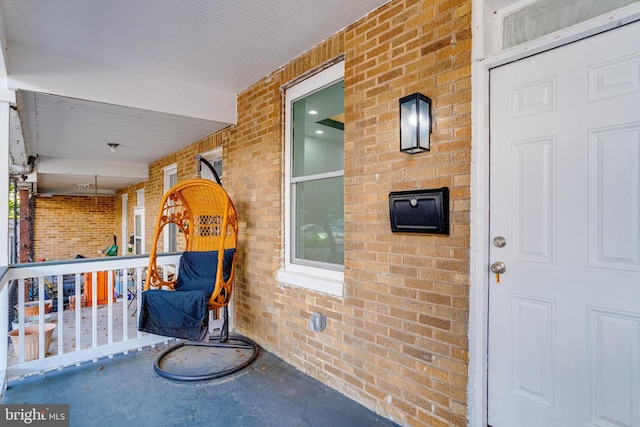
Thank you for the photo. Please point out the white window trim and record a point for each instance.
(168, 171)
(140, 197)
(313, 278)
(139, 211)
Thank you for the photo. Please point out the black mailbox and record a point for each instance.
(420, 211)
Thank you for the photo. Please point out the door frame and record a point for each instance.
(139, 211)
(477, 385)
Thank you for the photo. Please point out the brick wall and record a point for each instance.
(66, 226)
(397, 342)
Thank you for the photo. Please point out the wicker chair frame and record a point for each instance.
(207, 219)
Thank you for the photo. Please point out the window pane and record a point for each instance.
(137, 225)
(173, 240)
(137, 230)
(318, 132)
(216, 161)
(319, 219)
(217, 166)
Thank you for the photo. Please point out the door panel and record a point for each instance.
(564, 319)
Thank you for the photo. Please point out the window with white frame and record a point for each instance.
(138, 223)
(215, 158)
(170, 236)
(314, 190)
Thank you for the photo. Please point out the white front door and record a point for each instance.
(564, 318)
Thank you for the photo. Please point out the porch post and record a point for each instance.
(4, 239)
(4, 181)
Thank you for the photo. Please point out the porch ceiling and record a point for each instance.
(152, 76)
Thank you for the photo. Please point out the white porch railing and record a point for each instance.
(82, 334)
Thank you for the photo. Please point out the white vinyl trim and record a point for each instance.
(170, 172)
(313, 278)
(481, 67)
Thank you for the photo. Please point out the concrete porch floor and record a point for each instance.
(126, 391)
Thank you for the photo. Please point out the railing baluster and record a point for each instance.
(94, 310)
(41, 299)
(124, 280)
(110, 294)
(4, 325)
(139, 272)
(21, 319)
(78, 308)
(60, 314)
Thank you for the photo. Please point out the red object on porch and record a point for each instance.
(102, 286)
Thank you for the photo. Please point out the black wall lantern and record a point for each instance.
(415, 123)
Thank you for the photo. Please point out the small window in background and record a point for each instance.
(138, 230)
(215, 158)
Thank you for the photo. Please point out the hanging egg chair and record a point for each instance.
(180, 306)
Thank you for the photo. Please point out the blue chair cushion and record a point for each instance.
(175, 314)
(197, 271)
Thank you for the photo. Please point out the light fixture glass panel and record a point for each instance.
(408, 123)
(424, 123)
(415, 123)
